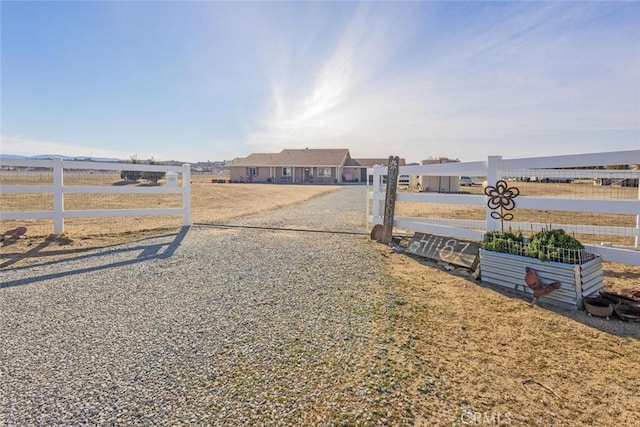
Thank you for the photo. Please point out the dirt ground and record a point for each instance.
(493, 359)
(211, 203)
(470, 354)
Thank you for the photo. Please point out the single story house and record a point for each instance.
(307, 165)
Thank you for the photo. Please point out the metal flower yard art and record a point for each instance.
(501, 197)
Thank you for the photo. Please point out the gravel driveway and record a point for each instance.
(210, 326)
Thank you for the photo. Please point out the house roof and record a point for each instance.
(309, 157)
(352, 162)
(372, 162)
(257, 159)
(295, 157)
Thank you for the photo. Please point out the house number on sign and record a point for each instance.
(446, 249)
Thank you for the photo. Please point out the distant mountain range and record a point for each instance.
(55, 156)
(215, 165)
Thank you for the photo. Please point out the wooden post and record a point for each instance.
(377, 188)
(390, 199)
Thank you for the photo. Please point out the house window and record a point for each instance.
(252, 171)
(287, 172)
(324, 172)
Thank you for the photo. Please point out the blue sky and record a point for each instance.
(197, 81)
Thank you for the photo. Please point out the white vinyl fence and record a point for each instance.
(573, 192)
(56, 170)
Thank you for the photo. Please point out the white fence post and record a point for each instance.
(368, 210)
(186, 194)
(58, 196)
(377, 188)
(493, 175)
(493, 167)
(57, 188)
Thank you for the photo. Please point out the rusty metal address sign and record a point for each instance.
(448, 249)
(390, 199)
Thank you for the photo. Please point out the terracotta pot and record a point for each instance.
(597, 306)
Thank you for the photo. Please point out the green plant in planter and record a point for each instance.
(554, 245)
(546, 245)
(503, 241)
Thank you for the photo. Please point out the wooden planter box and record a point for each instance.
(576, 280)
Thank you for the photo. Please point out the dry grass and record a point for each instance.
(211, 203)
(217, 202)
(573, 190)
(467, 353)
(578, 189)
(470, 351)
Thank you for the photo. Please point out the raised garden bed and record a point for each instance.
(579, 273)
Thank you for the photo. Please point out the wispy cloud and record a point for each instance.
(305, 115)
(417, 79)
(506, 82)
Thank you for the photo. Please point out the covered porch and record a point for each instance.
(305, 174)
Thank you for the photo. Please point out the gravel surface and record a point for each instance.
(210, 326)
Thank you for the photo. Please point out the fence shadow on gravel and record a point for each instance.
(140, 252)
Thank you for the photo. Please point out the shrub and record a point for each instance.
(505, 242)
(553, 245)
(546, 245)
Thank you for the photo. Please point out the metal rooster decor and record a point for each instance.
(539, 289)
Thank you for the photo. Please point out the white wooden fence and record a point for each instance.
(497, 168)
(59, 189)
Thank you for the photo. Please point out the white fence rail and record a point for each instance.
(58, 189)
(496, 168)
